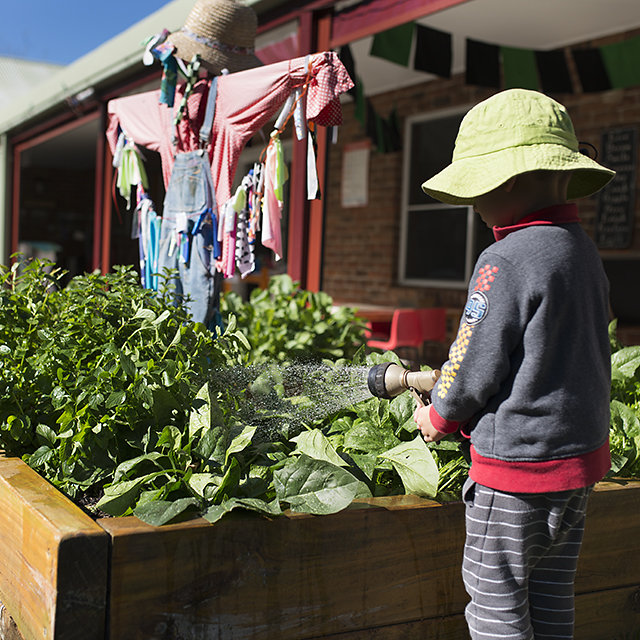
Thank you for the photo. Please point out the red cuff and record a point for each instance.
(440, 423)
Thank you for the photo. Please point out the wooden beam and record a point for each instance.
(54, 558)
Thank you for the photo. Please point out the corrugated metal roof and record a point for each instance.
(18, 76)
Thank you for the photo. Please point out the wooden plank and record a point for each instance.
(8, 627)
(444, 628)
(612, 615)
(610, 555)
(54, 558)
(291, 577)
(381, 565)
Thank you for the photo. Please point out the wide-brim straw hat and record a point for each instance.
(513, 132)
(222, 32)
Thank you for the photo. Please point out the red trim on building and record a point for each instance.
(379, 15)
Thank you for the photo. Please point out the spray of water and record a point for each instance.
(281, 399)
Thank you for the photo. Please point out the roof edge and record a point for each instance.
(114, 56)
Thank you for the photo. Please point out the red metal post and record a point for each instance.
(298, 203)
(316, 209)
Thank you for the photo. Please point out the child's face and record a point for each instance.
(497, 207)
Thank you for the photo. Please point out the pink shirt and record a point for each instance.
(246, 101)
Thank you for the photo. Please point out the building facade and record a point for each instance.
(373, 238)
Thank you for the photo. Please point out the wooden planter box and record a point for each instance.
(383, 569)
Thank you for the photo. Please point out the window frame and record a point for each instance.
(407, 208)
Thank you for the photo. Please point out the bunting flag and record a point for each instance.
(612, 66)
(394, 44)
(483, 64)
(622, 63)
(346, 57)
(434, 51)
(361, 107)
(384, 133)
(553, 71)
(591, 70)
(392, 135)
(488, 65)
(519, 68)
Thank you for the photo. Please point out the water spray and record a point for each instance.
(388, 380)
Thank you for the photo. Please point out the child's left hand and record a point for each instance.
(428, 431)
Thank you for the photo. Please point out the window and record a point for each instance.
(439, 243)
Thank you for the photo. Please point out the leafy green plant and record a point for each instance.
(96, 373)
(284, 322)
(243, 459)
(625, 408)
(113, 395)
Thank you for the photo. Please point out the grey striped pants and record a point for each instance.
(520, 560)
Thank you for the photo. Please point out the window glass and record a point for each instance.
(439, 243)
(439, 252)
(431, 149)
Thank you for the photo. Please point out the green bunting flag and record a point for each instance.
(622, 63)
(519, 68)
(394, 44)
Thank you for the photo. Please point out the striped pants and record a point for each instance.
(520, 559)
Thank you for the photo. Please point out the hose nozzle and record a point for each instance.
(388, 380)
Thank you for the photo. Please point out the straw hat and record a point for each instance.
(223, 33)
(514, 132)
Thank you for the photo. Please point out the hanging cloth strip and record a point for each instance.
(245, 258)
(192, 77)
(313, 184)
(164, 53)
(131, 171)
(276, 174)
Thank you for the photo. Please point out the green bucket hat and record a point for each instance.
(514, 132)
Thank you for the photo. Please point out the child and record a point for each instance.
(528, 376)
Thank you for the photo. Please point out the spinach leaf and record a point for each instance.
(316, 486)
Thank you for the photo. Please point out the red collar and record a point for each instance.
(557, 214)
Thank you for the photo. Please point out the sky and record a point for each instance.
(61, 31)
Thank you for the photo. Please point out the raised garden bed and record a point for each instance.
(385, 568)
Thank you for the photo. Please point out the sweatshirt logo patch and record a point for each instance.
(477, 308)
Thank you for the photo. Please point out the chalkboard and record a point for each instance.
(616, 204)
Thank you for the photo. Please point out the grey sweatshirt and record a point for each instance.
(529, 373)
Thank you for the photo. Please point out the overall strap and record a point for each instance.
(207, 124)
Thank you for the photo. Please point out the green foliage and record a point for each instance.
(114, 396)
(625, 408)
(98, 379)
(284, 323)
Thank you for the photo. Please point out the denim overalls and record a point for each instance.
(187, 239)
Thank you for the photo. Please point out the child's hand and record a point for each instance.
(428, 431)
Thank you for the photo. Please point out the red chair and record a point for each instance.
(405, 332)
(433, 324)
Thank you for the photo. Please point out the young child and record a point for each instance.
(528, 376)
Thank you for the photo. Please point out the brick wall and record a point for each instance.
(361, 244)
